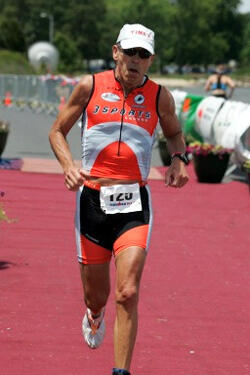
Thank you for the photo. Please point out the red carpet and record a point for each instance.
(194, 309)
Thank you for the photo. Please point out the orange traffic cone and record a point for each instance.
(62, 103)
(7, 99)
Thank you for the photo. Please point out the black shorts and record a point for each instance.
(98, 233)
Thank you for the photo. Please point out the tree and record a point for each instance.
(109, 28)
(206, 30)
(228, 24)
(187, 31)
(69, 56)
(11, 33)
(158, 16)
(83, 24)
(245, 52)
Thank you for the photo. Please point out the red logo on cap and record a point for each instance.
(140, 32)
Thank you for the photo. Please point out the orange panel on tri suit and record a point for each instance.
(136, 236)
(127, 161)
(92, 253)
(112, 121)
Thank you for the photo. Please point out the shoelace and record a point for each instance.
(94, 323)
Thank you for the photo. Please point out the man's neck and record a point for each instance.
(127, 88)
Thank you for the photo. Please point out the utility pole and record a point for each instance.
(51, 25)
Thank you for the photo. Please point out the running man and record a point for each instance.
(120, 110)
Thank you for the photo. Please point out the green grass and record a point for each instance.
(242, 74)
(14, 63)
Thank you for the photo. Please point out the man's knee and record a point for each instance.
(96, 300)
(127, 296)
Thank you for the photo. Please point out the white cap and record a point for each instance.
(136, 35)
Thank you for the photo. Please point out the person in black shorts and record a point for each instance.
(120, 110)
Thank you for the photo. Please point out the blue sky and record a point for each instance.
(245, 6)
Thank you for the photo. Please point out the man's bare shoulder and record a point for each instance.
(86, 83)
(82, 91)
(166, 101)
(165, 92)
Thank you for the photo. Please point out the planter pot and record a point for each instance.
(163, 150)
(210, 168)
(3, 141)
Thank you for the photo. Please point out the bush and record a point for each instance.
(14, 63)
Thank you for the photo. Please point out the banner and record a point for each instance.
(179, 97)
(242, 137)
(187, 117)
(216, 121)
(227, 123)
(206, 113)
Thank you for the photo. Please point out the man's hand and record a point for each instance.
(176, 174)
(74, 178)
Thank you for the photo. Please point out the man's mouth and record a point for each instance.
(133, 70)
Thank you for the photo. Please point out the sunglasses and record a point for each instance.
(143, 53)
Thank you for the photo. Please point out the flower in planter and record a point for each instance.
(210, 161)
(198, 148)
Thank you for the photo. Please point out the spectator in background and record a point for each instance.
(219, 83)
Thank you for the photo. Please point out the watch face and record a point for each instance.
(185, 159)
(182, 157)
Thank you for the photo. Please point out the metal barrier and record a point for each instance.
(36, 93)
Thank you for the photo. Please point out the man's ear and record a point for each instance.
(151, 60)
(115, 52)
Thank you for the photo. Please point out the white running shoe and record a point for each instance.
(93, 329)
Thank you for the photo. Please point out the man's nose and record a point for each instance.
(136, 57)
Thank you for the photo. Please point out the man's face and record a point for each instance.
(131, 69)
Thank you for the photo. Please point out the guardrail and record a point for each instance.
(36, 93)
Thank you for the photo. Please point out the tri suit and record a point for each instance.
(117, 136)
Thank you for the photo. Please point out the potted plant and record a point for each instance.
(210, 161)
(4, 132)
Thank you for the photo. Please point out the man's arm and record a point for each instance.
(176, 174)
(74, 177)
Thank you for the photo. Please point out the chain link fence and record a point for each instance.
(36, 93)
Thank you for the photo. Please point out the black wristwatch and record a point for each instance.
(181, 156)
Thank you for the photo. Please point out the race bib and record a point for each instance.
(120, 198)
